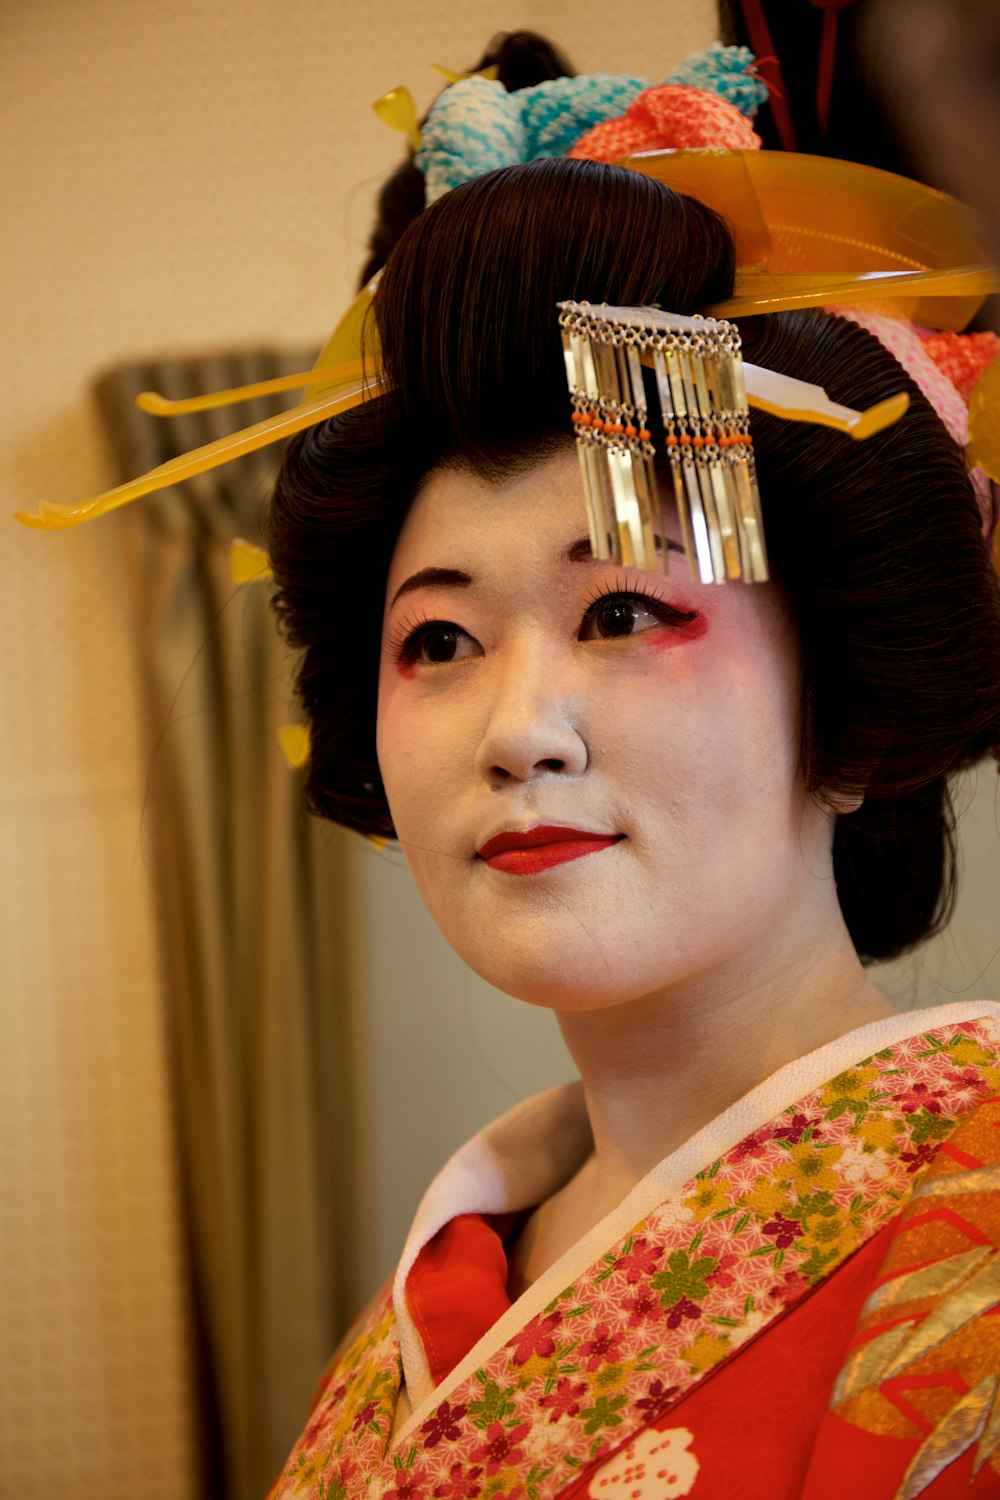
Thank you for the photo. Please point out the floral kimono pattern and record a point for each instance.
(853, 1236)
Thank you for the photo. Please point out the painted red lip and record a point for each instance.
(540, 848)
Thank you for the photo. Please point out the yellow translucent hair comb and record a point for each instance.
(810, 232)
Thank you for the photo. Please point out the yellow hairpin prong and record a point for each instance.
(329, 376)
(397, 110)
(354, 335)
(248, 563)
(294, 742)
(983, 447)
(56, 517)
(769, 291)
(491, 74)
(796, 400)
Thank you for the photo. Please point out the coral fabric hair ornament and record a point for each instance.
(672, 117)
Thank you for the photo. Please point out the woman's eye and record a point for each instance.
(439, 642)
(616, 615)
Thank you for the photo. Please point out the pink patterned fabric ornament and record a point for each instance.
(962, 356)
(916, 353)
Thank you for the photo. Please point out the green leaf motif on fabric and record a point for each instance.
(935, 1045)
(495, 1405)
(603, 1413)
(336, 1489)
(685, 1278)
(816, 1262)
(927, 1127)
(846, 1104)
(811, 1205)
(379, 1378)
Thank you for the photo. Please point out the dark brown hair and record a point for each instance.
(878, 544)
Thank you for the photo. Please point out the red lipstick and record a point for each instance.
(541, 848)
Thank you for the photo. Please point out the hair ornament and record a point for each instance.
(670, 117)
(294, 742)
(477, 125)
(397, 110)
(704, 392)
(810, 232)
(335, 398)
(248, 563)
(491, 72)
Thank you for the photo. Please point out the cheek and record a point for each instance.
(390, 736)
(416, 747)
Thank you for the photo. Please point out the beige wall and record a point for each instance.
(184, 176)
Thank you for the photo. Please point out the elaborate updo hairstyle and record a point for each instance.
(878, 544)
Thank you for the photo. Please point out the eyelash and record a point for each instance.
(405, 638)
(405, 643)
(669, 613)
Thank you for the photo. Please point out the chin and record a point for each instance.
(589, 977)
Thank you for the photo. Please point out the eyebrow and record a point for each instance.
(454, 578)
(428, 578)
(580, 551)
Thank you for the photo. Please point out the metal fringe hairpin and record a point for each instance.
(706, 432)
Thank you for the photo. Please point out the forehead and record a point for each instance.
(535, 518)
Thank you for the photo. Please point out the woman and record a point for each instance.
(683, 817)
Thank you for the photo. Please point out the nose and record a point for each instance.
(532, 720)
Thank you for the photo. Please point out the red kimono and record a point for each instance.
(801, 1303)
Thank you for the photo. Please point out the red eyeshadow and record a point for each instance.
(676, 635)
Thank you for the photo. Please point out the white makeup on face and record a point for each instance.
(593, 771)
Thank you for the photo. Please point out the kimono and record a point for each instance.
(802, 1302)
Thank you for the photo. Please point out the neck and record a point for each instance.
(660, 1067)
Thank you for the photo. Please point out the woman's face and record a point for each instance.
(593, 771)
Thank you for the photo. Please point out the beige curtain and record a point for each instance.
(255, 911)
